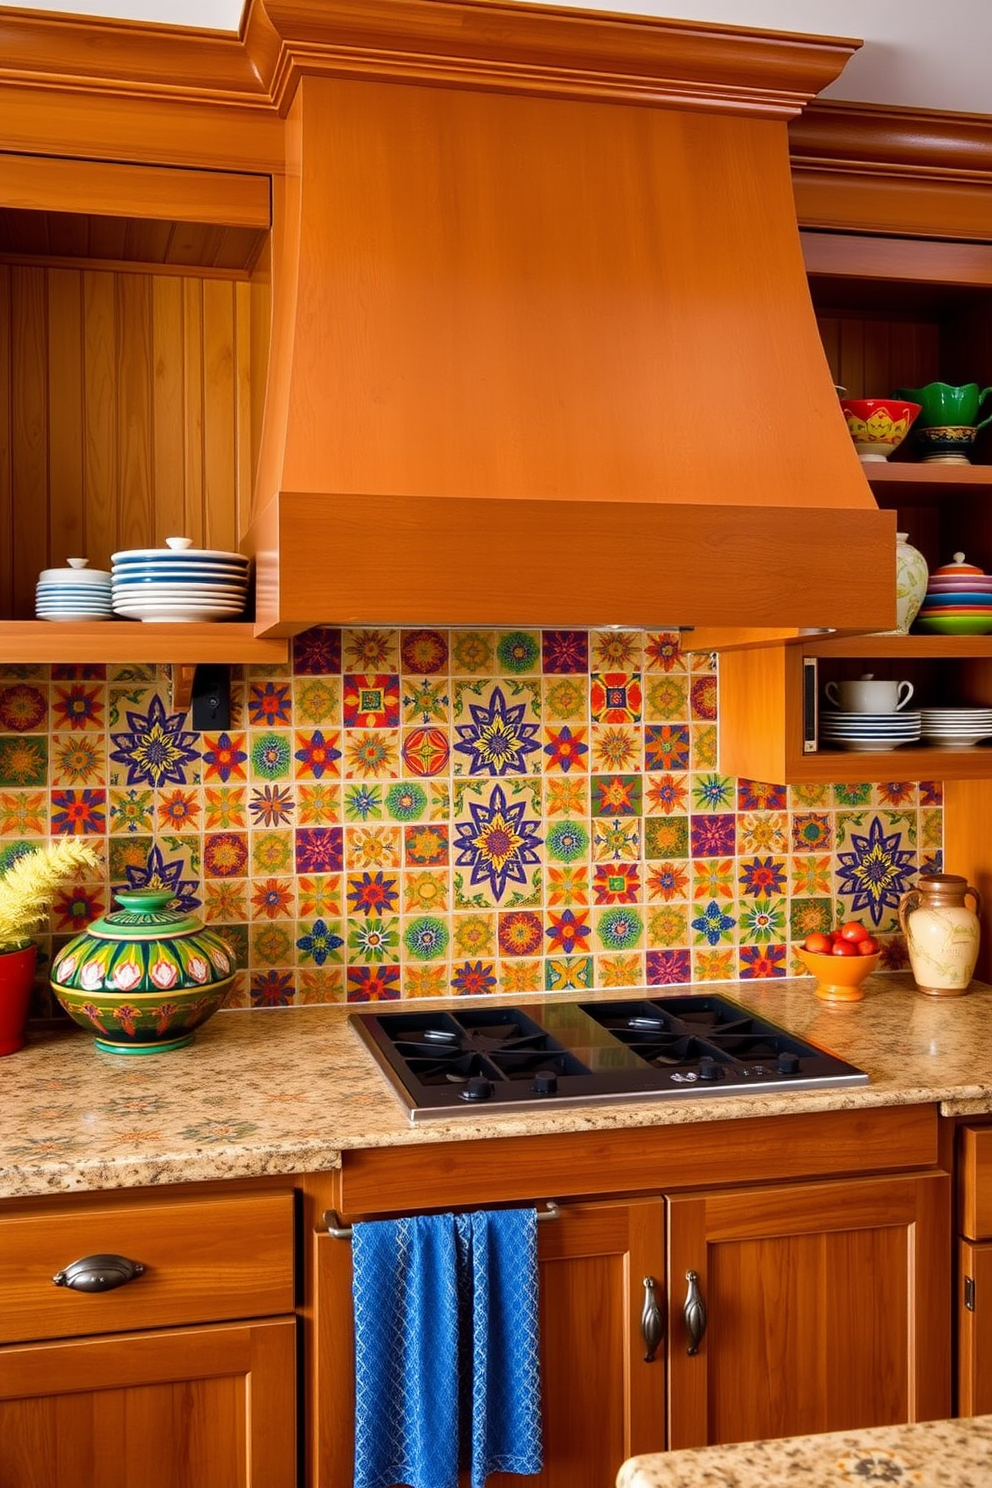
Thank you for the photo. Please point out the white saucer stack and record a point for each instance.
(869, 731)
(179, 582)
(75, 592)
(956, 728)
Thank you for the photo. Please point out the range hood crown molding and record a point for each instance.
(537, 272)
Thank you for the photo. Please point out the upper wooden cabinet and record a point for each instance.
(128, 332)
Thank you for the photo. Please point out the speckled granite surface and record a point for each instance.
(286, 1090)
(933, 1454)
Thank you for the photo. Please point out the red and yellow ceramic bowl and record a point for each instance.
(878, 425)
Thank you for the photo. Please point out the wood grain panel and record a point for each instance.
(975, 1182)
(125, 415)
(204, 1260)
(176, 1409)
(974, 1331)
(66, 502)
(438, 1176)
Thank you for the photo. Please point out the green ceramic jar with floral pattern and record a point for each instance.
(145, 977)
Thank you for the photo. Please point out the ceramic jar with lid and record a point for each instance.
(911, 582)
(144, 977)
(942, 932)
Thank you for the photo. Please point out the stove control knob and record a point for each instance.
(708, 1069)
(788, 1064)
(545, 1083)
(478, 1088)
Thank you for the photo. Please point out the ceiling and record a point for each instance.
(914, 53)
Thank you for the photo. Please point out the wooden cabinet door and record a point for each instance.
(602, 1402)
(827, 1308)
(209, 1407)
(974, 1331)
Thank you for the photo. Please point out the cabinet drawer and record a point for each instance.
(205, 1260)
(975, 1181)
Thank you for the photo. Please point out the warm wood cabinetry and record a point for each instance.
(180, 1377)
(816, 1291)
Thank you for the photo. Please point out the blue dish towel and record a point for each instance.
(447, 1371)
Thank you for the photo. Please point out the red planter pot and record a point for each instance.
(16, 979)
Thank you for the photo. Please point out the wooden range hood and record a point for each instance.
(543, 351)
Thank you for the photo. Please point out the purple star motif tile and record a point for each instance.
(497, 740)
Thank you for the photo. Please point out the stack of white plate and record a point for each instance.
(956, 728)
(179, 582)
(869, 731)
(75, 592)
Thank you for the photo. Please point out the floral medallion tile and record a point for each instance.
(616, 747)
(616, 697)
(271, 806)
(423, 653)
(320, 984)
(426, 750)
(875, 867)
(270, 705)
(370, 846)
(272, 852)
(318, 805)
(931, 793)
(472, 652)
(616, 883)
(225, 901)
(77, 905)
(710, 965)
(154, 748)
(663, 651)
(566, 796)
(896, 793)
(812, 831)
(517, 978)
(371, 754)
(809, 915)
(373, 983)
(703, 746)
(761, 962)
(712, 835)
(668, 925)
(374, 940)
(370, 650)
(711, 923)
(702, 698)
(425, 937)
(811, 875)
(666, 699)
(567, 885)
(668, 968)
(78, 813)
(371, 700)
(320, 895)
(763, 831)
(565, 651)
(762, 877)
(272, 988)
(496, 729)
(320, 941)
(665, 794)
(474, 978)
(616, 650)
(565, 699)
(667, 880)
(568, 973)
(224, 808)
(758, 795)
(23, 760)
(271, 755)
(315, 754)
(808, 796)
(616, 839)
(565, 748)
(763, 921)
(316, 701)
(618, 928)
(426, 700)
(78, 706)
(78, 759)
(23, 813)
(615, 795)
(714, 878)
(271, 945)
(666, 747)
(24, 707)
(407, 801)
(712, 792)
(666, 837)
(225, 854)
(426, 892)
(317, 652)
(518, 652)
(179, 809)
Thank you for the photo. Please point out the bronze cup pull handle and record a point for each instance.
(652, 1320)
(98, 1273)
(694, 1313)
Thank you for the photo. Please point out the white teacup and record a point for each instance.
(868, 695)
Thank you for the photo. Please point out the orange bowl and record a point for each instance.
(838, 978)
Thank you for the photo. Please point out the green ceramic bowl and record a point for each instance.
(144, 978)
(956, 625)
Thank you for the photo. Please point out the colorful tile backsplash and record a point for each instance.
(441, 813)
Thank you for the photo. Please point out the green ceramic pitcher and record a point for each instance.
(942, 405)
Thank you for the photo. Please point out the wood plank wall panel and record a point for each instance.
(125, 415)
(871, 356)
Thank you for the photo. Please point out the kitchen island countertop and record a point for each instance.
(285, 1091)
(930, 1454)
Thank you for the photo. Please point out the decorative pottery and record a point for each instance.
(942, 404)
(911, 582)
(16, 980)
(946, 444)
(878, 425)
(143, 978)
(838, 978)
(942, 932)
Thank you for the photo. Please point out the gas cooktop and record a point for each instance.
(450, 1063)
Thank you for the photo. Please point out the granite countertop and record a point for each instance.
(932, 1454)
(287, 1090)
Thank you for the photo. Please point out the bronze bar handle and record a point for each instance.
(652, 1320)
(694, 1313)
(98, 1273)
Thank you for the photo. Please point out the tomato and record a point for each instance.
(818, 943)
(844, 948)
(853, 931)
(868, 946)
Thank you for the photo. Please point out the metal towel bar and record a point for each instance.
(339, 1231)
